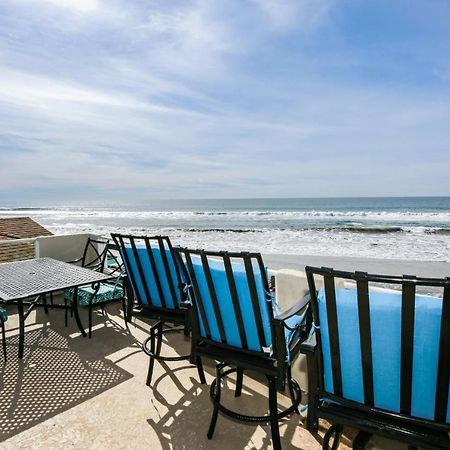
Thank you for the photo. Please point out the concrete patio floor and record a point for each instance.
(70, 391)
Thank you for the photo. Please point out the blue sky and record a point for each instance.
(249, 98)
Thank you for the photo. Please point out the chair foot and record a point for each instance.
(333, 436)
(361, 440)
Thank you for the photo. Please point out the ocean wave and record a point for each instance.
(445, 231)
(348, 215)
(424, 245)
(363, 229)
(220, 230)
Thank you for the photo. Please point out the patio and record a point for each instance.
(69, 391)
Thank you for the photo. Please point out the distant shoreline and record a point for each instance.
(433, 269)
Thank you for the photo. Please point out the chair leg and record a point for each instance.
(216, 401)
(2, 324)
(291, 386)
(201, 373)
(159, 337)
(312, 421)
(273, 412)
(90, 321)
(124, 309)
(239, 381)
(129, 299)
(151, 362)
(334, 433)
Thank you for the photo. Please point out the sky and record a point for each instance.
(131, 99)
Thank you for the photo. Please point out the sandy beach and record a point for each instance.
(372, 265)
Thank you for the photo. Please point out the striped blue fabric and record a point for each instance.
(220, 281)
(385, 316)
(149, 277)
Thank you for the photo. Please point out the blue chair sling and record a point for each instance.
(235, 323)
(379, 359)
(156, 282)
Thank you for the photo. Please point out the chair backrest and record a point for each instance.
(152, 270)
(113, 262)
(232, 303)
(94, 255)
(383, 349)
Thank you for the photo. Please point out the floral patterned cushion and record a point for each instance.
(3, 314)
(106, 293)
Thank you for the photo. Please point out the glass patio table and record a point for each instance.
(34, 278)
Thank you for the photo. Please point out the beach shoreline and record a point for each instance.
(434, 269)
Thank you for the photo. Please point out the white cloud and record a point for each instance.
(284, 14)
(170, 93)
(81, 6)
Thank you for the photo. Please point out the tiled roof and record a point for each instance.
(16, 251)
(21, 228)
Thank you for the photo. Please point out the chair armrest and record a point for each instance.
(294, 310)
(310, 343)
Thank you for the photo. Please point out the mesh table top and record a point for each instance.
(22, 279)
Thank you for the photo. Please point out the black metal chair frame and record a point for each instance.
(273, 366)
(366, 417)
(98, 263)
(179, 317)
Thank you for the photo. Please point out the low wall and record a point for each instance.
(67, 247)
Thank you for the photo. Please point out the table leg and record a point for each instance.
(44, 302)
(76, 313)
(21, 328)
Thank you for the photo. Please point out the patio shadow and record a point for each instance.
(57, 373)
(186, 422)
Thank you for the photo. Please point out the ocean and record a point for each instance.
(396, 228)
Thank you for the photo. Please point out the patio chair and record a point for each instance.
(235, 322)
(3, 319)
(98, 255)
(378, 359)
(157, 283)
